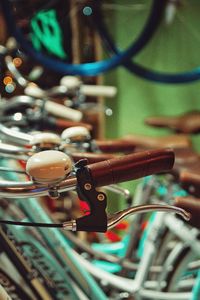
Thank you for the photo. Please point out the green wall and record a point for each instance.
(138, 98)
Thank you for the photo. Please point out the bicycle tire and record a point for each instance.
(138, 69)
(86, 69)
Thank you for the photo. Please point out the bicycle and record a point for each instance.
(32, 211)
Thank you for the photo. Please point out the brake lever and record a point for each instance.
(115, 218)
(98, 220)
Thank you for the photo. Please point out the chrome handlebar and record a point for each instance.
(29, 189)
(14, 136)
(11, 189)
(97, 220)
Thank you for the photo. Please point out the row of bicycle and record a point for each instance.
(158, 258)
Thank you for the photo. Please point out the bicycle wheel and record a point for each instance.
(182, 277)
(172, 54)
(19, 28)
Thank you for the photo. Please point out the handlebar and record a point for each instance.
(116, 170)
(23, 102)
(51, 107)
(132, 166)
(105, 146)
(84, 181)
(72, 82)
(20, 153)
(14, 136)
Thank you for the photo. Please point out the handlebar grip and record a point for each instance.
(62, 123)
(72, 82)
(34, 91)
(117, 145)
(62, 111)
(132, 166)
(99, 90)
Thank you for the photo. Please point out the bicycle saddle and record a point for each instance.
(192, 205)
(186, 123)
(174, 141)
(185, 159)
(190, 180)
(186, 156)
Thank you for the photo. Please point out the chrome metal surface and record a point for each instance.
(15, 136)
(27, 189)
(115, 218)
(70, 225)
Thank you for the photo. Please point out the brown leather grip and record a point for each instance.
(91, 157)
(113, 146)
(62, 123)
(132, 166)
(192, 205)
